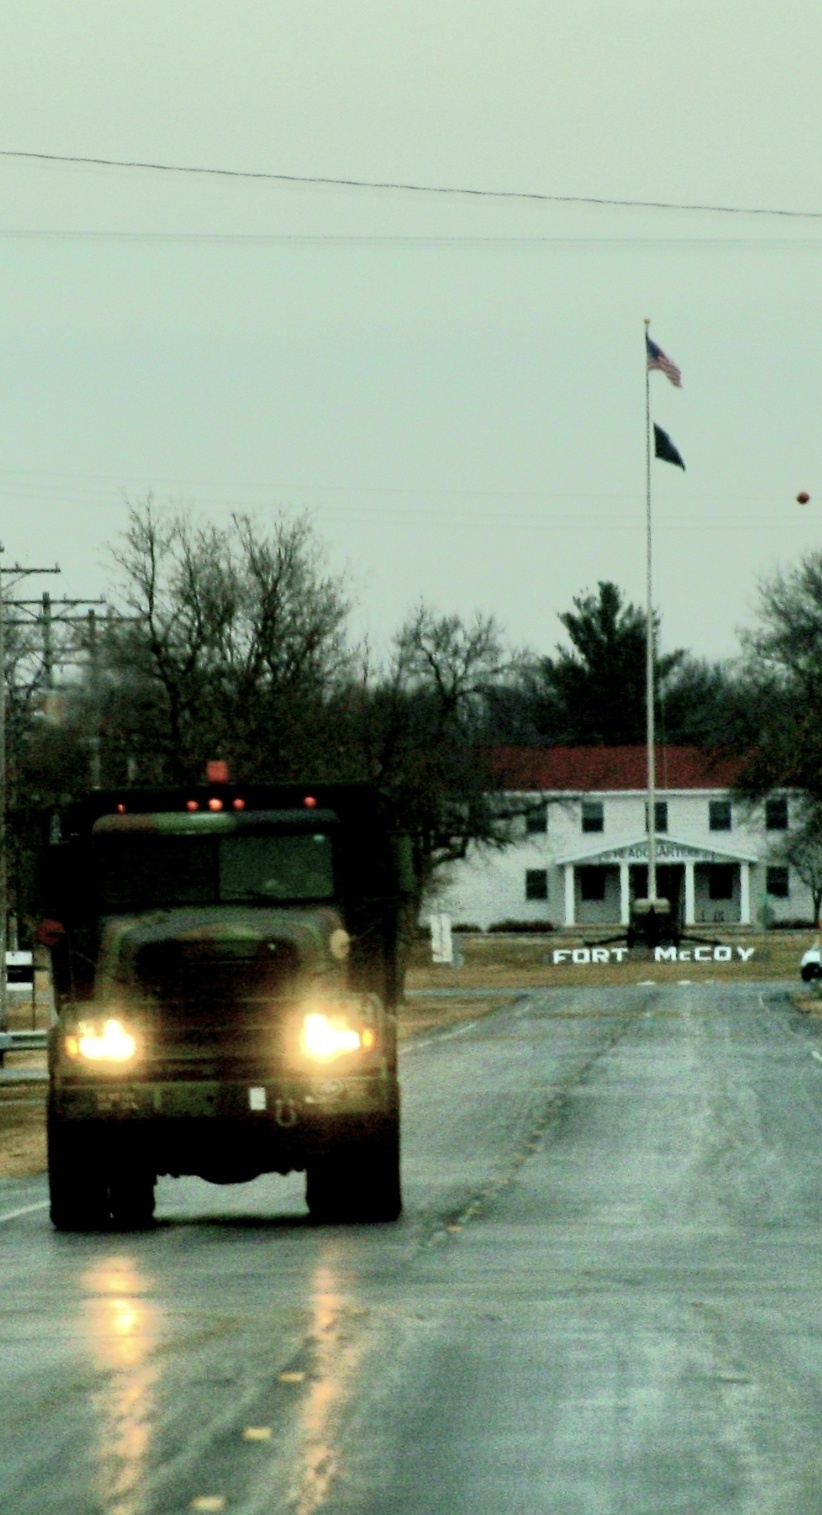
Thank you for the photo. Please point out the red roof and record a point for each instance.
(582, 769)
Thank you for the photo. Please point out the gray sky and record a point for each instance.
(454, 388)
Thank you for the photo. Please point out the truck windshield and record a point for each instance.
(139, 872)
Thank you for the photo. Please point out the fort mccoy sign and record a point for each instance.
(706, 953)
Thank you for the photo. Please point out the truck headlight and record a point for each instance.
(326, 1036)
(100, 1041)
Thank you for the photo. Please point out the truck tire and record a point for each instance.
(77, 1183)
(131, 1198)
(358, 1182)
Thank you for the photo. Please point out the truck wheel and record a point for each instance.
(77, 1185)
(131, 1197)
(359, 1182)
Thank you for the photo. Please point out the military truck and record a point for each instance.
(226, 969)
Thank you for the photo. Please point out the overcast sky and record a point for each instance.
(454, 387)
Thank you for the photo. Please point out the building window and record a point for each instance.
(536, 820)
(777, 883)
(660, 815)
(536, 883)
(593, 815)
(776, 814)
(721, 881)
(592, 883)
(719, 815)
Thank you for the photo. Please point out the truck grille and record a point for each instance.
(201, 1052)
(213, 1013)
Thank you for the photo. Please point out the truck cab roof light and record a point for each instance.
(192, 805)
(121, 809)
(215, 804)
(238, 804)
(310, 802)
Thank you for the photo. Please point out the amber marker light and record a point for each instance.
(238, 804)
(215, 804)
(192, 805)
(310, 802)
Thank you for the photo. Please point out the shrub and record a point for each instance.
(793, 925)
(529, 928)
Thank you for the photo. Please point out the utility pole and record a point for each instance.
(20, 573)
(94, 681)
(48, 620)
(40, 612)
(48, 642)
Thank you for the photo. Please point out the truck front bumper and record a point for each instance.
(225, 1129)
(285, 1103)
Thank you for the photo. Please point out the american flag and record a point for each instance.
(658, 359)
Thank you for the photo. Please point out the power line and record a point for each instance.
(34, 483)
(408, 187)
(402, 513)
(377, 240)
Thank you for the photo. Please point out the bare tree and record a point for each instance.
(801, 850)
(230, 644)
(417, 729)
(781, 740)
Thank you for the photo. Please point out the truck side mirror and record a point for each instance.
(402, 864)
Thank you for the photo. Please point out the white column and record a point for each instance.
(624, 893)
(690, 895)
(745, 894)
(570, 897)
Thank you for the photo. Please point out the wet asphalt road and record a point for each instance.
(605, 1295)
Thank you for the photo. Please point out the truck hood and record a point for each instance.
(278, 948)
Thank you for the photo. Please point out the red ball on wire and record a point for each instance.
(803, 497)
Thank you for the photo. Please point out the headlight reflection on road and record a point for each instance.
(121, 1334)
(337, 1358)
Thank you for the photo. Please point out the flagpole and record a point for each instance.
(650, 820)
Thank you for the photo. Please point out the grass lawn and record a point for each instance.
(494, 961)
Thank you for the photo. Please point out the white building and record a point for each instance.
(581, 853)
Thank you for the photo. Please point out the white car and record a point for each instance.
(811, 964)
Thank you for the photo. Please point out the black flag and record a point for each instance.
(664, 448)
